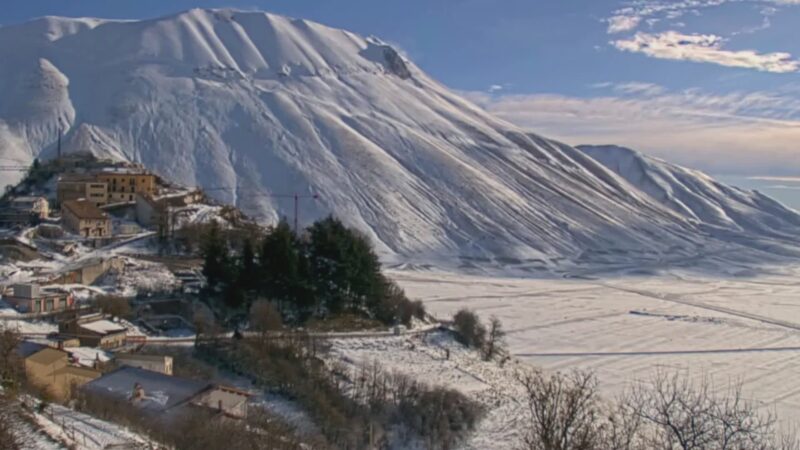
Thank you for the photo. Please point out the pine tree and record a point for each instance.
(248, 272)
(216, 261)
(279, 265)
(346, 271)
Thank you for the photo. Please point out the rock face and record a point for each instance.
(254, 107)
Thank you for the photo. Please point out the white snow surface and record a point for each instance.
(425, 359)
(624, 328)
(255, 106)
(697, 196)
(82, 431)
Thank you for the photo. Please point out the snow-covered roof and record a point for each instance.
(103, 327)
(161, 392)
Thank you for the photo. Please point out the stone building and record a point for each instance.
(125, 182)
(84, 218)
(76, 187)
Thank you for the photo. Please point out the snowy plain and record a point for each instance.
(625, 328)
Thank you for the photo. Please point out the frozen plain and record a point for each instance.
(624, 328)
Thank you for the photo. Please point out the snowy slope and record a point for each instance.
(252, 105)
(697, 196)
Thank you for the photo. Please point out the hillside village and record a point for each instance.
(103, 300)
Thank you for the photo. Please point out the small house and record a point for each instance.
(82, 217)
(49, 369)
(158, 212)
(159, 394)
(35, 206)
(94, 330)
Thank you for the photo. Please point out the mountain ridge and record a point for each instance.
(253, 106)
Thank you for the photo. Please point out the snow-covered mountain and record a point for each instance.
(253, 106)
(697, 196)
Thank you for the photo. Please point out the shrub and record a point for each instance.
(395, 307)
(12, 372)
(264, 317)
(114, 305)
(469, 329)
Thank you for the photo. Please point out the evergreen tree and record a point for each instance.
(279, 265)
(216, 261)
(234, 296)
(345, 269)
(248, 272)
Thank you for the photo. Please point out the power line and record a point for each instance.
(296, 197)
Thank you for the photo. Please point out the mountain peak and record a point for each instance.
(257, 107)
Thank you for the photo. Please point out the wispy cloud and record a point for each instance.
(706, 48)
(629, 17)
(621, 23)
(742, 133)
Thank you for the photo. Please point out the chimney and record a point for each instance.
(138, 393)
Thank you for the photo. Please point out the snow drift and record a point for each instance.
(254, 106)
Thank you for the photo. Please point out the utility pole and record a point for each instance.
(295, 197)
(59, 142)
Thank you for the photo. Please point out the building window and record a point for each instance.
(49, 304)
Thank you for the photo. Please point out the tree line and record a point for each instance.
(326, 270)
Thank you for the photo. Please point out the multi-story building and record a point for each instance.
(75, 187)
(32, 298)
(84, 218)
(125, 182)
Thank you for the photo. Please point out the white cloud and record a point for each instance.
(638, 87)
(631, 16)
(495, 88)
(622, 23)
(705, 48)
(744, 133)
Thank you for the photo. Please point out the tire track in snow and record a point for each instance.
(659, 352)
(674, 298)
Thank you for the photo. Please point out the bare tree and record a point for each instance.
(667, 413)
(564, 411)
(679, 414)
(495, 341)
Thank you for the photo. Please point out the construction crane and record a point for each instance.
(296, 197)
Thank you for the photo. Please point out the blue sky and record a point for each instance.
(712, 84)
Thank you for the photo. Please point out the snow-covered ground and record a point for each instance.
(85, 432)
(424, 357)
(744, 329)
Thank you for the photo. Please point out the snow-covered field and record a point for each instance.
(624, 328)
